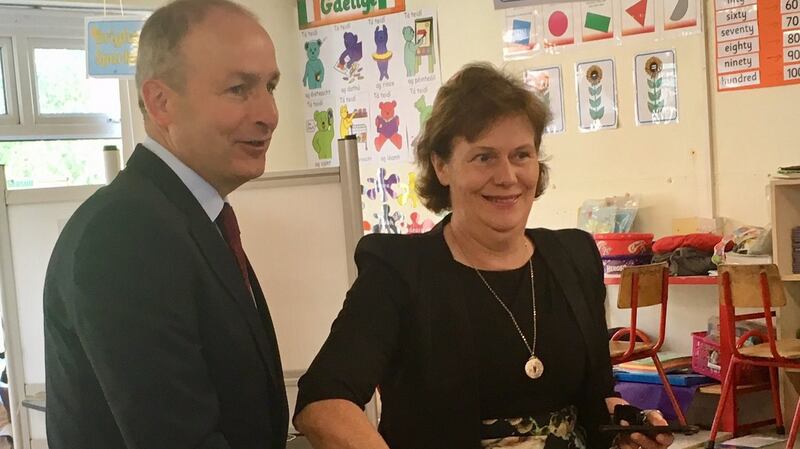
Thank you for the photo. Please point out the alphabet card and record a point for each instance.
(597, 94)
(418, 113)
(353, 115)
(656, 88)
(320, 129)
(387, 134)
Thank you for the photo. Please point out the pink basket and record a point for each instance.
(706, 359)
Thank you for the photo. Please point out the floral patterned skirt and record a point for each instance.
(554, 430)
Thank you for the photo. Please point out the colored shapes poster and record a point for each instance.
(597, 94)
(596, 18)
(637, 17)
(558, 27)
(546, 82)
(656, 88)
(520, 37)
(680, 14)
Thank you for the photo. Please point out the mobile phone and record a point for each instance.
(650, 431)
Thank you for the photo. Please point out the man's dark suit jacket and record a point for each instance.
(152, 340)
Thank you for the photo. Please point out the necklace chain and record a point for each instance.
(531, 348)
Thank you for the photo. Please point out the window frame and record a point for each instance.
(28, 29)
(11, 117)
(103, 123)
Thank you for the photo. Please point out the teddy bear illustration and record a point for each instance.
(387, 124)
(347, 120)
(352, 51)
(425, 111)
(410, 57)
(382, 54)
(315, 71)
(324, 136)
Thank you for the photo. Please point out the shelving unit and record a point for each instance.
(785, 207)
(785, 216)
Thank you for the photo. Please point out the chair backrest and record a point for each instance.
(746, 285)
(651, 280)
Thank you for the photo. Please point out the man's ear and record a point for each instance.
(158, 100)
(442, 169)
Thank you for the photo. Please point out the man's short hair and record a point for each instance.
(159, 42)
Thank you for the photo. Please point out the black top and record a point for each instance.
(505, 390)
(415, 324)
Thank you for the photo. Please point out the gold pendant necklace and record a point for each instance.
(534, 368)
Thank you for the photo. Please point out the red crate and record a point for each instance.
(706, 359)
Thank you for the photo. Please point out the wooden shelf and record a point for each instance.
(791, 277)
(673, 280)
(717, 388)
(785, 181)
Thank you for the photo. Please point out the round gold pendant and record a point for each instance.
(534, 367)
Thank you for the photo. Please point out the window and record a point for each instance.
(3, 110)
(54, 121)
(7, 111)
(63, 89)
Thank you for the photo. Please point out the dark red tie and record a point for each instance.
(227, 223)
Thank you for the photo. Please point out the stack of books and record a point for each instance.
(791, 171)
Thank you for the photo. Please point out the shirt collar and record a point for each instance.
(208, 197)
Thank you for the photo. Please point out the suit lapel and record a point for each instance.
(211, 243)
(219, 256)
(563, 267)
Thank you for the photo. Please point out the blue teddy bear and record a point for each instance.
(315, 71)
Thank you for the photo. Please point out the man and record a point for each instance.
(157, 333)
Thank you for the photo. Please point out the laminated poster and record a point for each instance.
(546, 82)
(656, 77)
(597, 94)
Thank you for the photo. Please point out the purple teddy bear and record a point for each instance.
(382, 54)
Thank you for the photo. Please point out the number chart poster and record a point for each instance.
(376, 79)
(757, 43)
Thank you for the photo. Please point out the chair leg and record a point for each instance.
(793, 429)
(723, 397)
(776, 400)
(668, 389)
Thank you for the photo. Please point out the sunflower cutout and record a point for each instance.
(595, 76)
(653, 67)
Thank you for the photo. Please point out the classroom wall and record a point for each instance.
(754, 132)
(669, 166)
(715, 161)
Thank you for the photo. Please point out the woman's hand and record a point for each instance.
(638, 440)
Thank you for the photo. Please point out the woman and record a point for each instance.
(479, 333)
